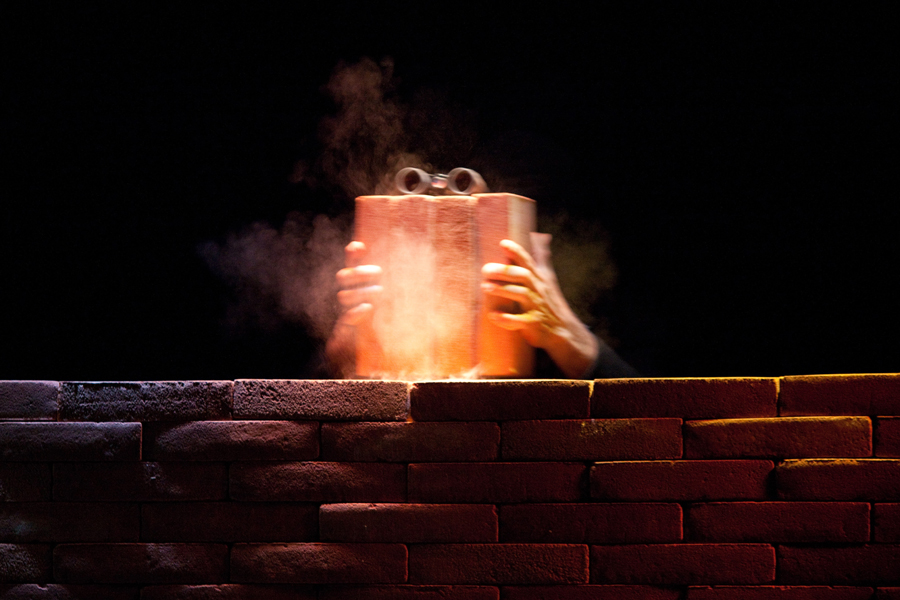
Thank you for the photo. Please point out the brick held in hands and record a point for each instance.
(145, 400)
(28, 399)
(410, 442)
(887, 437)
(596, 523)
(408, 523)
(140, 563)
(69, 522)
(409, 592)
(53, 591)
(886, 523)
(848, 565)
(876, 480)
(229, 522)
(496, 482)
(499, 400)
(231, 440)
(25, 562)
(139, 482)
(323, 400)
(318, 563)
(24, 482)
(70, 441)
(228, 591)
(779, 592)
(318, 482)
(498, 563)
(870, 394)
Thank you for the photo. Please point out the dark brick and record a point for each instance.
(52, 591)
(499, 400)
(887, 437)
(589, 592)
(228, 591)
(849, 565)
(410, 442)
(686, 398)
(683, 564)
(232, 440)
(783, 592)
(798, 522)
(408, 523)
(139, 482)
(886, 523)
(498, 563)
(28, 399)
(69, 522)
(322, 400)
(145, 400)
(70, 441)
(24, 482)
(876, 480)
(876, 394)
(496, 482)
(229, 522)
(680, 480)
(409, 592)
(318, 563)
(887, 593)
(590, 523)
(24, 562)
(140, 563)
(318, 482)
(595, 439)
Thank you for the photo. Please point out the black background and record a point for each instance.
(742, 161)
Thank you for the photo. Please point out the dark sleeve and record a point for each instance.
(608, 365)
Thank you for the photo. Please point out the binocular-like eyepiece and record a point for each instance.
(458, 181)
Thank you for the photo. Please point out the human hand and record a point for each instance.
(359, 284)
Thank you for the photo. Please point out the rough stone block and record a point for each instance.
(69, 522)
(409, 592)
(499, 400)
(24, 482)
(140, 563)
(232, 440)
(848, 565)
(229, 522)
(228, 591)
(70, 441)
(590, 523)
(318, 563)
(595, 439)
(496, 482)
(323, 400)
(145, 400)
(779, 592)
(876, 480)
(886, 523)
(28, 399)
(887, 437)
(680, 480)
(318, 482)
(139, 482)
(410, 442)
(408, 523)
(589, 592)
(24, 563)
(498, 563)
(874, 394)
(53, 591)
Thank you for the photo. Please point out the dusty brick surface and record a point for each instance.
(28, 399)
(778, 522)
(69, 522)
(683, 564)
(595, 439)
(779, 592)
(779, 437)
(228, 522)
(624, 523)
(680, 480)
(496, 482)
(687, 398)
(52, 591)
(887, 437)
(850, 565)
(589, 592)
(410, 442)
(875, 394)
(499, 400)
(325, 400)
(70, 441)
(886, 523)
(232, 440)
(228, 591)
(318, 563)
(24, 482)
(139, 482)
(408, 523)
(409, 592)
(876, 480)
(498, 563)
(24, 563)
(318, 482)
(140, 563)
(145, 400)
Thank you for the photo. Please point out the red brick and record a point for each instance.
(228, 591)
(229, 522)
(145, 400)
(499, 400)
(140, 563)
(232, 440)
(70, 441)
(783, 592)
(849, 565)
(52, 591)
(686, 398)
(782, 437)
(887, 593)
(683, 564)
(595, 439)
(875, 480)
(139, 481)
(318, 482)
(496, 482)
(589, 592)
(839, 522)
(28, 399)
(886, 523)
(409, 592)
(680, 480)
(887, 437)
(410, 442)
(322, 400)
(24, 562)
(69, 522)
(318, 563)
(875, 394)
(408, 523)
(24, 482)
(590, 523)
(498, 563)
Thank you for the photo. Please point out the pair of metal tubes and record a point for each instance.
(458, 181)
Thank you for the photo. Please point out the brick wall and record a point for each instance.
(704, 489)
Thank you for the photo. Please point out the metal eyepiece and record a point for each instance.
(459, 181)
(465, 182)
(412, 181)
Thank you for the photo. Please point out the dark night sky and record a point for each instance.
(742, 162)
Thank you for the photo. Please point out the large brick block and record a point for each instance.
(232, 440)
(876, 480)
(318, 482)
(28, 399)
(409, 592)
(683, 564)
(496, 482)
(70, 441)
(318, 563)
(229, 522)
(228, 591)
(779, 592)
(24, 563)
(139, 482)
(778, 522)
(24, 482)
(886, 523)
(410, 442)
(145, 400)
(499, 400)
(589, 592)
(680, 480)
(498, 563)
(781, 437)
(408, 523)
(887, 437)
(53, 591)
(69, 522)
(140, 563)
(324, 400)
(686, 398)
(848, 565)
(624, 523)
(595, 439)
(875, 394)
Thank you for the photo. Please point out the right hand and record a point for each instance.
(360, 286)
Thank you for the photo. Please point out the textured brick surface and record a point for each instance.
(228, 522)
(589, 592)
(140, 482)
(24, 482)
(784, 437)
(24, 562)
(595, 439)
(886, 523)
(70, 441)
(887, 437)
(52, 591)
(140, 563)
(590, 523)
(687, 398)
(839, 479)
(498, 563)
(796, 522)
(499, 400)
(28, 399)
(145, 401)
(683, 564)
(408, 523)
(779, 592)
(318, 482)
(496, 482)
(69, 522)
(410, 442)
(232, 440)
(680, 480)
(887, 593)
(410, 592)
(876, 394)
(318, 563)
(329, 400)
(228, 591)
(850, 565)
